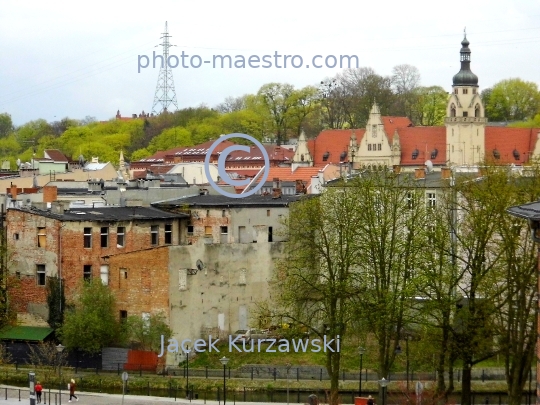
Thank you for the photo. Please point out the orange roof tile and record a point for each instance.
(393, 123)
(286, 174)
(333, 141)
(506, 140)
(426, 140)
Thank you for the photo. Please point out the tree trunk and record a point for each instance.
(466, 383)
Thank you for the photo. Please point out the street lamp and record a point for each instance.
(288, 368)
(361, 352)
(224, 360)
(59, 350)
(187, 372)
(383, 383)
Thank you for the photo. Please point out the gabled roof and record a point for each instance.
(25, 333)
(55, 155)
(393, 123)
(505, 140)
(425, 140)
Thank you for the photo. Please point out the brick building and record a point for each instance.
(83, 243)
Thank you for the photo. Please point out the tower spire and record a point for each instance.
(465, 77)
(165, 95)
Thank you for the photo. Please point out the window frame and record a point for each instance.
(120, 235)
(168, 234)
(41, 242)
(87, 237)
(41, 271)
(87, 272)
(104, 237)
(154, 235)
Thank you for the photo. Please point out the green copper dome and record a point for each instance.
(465, 77)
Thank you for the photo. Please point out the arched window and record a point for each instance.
(477, 111)
(453, 111)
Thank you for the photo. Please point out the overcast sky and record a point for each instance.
(79, 58)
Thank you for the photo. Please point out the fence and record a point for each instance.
(56, 397)
(257, 372)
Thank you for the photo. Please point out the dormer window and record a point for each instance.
(325, 156)
(496, 154)
(434, 153)
(516, 154)
(343, 156)
(415, 154)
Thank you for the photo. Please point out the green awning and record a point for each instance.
(26, 333)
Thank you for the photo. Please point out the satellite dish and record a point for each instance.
(429, 165)
(199, 265)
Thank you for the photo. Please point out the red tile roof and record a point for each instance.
(286, 174)
(506, 140)
(56, 155)
(334, 141)
(393, 123)
(426, 140)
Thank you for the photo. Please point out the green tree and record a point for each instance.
(513, 100)
(6, 125)
(56, 302)
(92, 324)
(147, 332)
(317, 281)
(430, 107)
(278, 101)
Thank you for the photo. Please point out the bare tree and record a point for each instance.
(232, 104)
(46, 358)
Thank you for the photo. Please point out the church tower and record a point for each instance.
(465, 120)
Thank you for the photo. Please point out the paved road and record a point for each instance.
(90, 398)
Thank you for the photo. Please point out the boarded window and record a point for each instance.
(42, 237)
(120, 237)
(168, 234)
(242, 280)
(87, 238)
(104, 272)
(154, 234)
(208, 230)
(182, 279)
(40, 274)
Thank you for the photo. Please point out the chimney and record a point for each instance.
(57, 207)
(446, 173)
(397, 169)
(419, 173)
(13, 191)
(50, 194)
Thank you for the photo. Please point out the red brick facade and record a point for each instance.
(36, 241)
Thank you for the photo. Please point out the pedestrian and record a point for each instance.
(72, 391)
(370, 401)
(38, 388)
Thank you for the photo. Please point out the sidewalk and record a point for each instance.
(91, 398)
